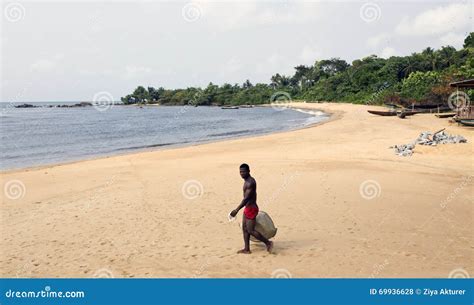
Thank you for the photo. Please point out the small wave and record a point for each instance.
(312, 112)
(313, 120)
(231, 133)
(150, 146)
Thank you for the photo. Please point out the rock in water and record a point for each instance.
(264, 226)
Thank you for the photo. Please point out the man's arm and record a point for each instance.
(247, 195)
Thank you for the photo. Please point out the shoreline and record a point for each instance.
(169, 147)
(344, 204)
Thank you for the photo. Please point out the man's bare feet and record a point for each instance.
(270, 246)
(244, 251)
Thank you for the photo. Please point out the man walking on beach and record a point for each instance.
(250, 211)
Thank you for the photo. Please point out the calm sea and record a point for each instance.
(39, 136)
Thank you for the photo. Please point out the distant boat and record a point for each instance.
(246, 106)
(445, 115)
(427, 109)
(230, 107)
(467, 122)
(382, 113)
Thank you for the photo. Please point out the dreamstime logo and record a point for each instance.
(378, 268)
(94, 197)
(369, 189)
(376, 94)
(14, 12)
(200, 272)
(288, 180)
(280, 100)
(7, 108)
(14, 189)
(191, 12)
(192, 189)
(281, 274)
(458, 99)
(103, 273)
(457, 190)
(370, 12)
(103, 101)
(24, 271)
(458, 273)
(196, 97)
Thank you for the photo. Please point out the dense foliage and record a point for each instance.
(418, 78)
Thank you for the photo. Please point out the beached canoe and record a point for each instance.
(445, 115)
(469, 123)
(403, 114)
(382, 113)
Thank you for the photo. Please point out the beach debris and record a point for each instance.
(404, 149)
(428, 138)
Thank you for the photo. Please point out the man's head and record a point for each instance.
(244, 171)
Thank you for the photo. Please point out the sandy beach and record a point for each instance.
(345, 206)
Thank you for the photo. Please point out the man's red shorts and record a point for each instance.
(251, 212)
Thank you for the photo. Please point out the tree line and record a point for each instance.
(421, 78)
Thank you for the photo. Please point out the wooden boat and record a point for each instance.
(382, 113)
(469, 123)
(402, 114)
(445, 115)
(230, 107)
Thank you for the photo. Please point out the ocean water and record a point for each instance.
(40, 136)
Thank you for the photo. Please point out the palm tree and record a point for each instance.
(430, 56)
(411, 65)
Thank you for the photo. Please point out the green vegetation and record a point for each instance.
(419, 78)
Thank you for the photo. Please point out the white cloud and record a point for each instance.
(228, 15)
(43, 65)
(388, 52)
(275, 63)
(231, 15)
(452, 39)
(132, 71)
(377, 40)
(270, 62)
(46, 64)
(310, 54)
(437, 21)
(232, 66)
